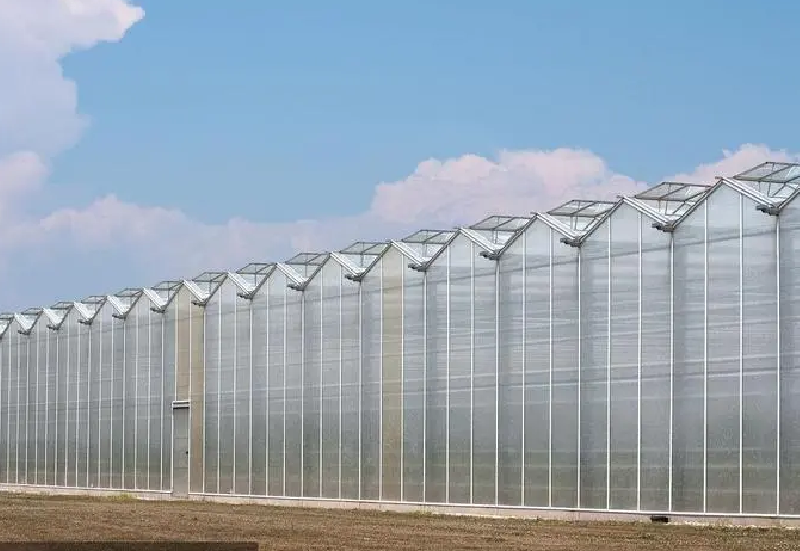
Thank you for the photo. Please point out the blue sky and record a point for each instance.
(277, 111)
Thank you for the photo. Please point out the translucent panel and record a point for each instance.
(331, 280)
(624, 370)
(225, 443)
(312, 389)
(789, 378)
(276, 354)
(759, 383)
(436, 301)
(463, 434)
(392, 379)
(655, 310)
(371, 372)
(689, 349)
(485, 388)
(594, 368)
(414, 387)
(565, 329)
(241, 397)
(350, 416)
(261, 400)
(538, 357)
(511, 354)
(293, 416)
(724, 209)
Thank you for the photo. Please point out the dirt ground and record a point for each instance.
(27, 518)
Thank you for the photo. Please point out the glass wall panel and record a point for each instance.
(351, 359)
(414, 388)
(463, 433)
(392, 378)
(105, 409)
(724, 210)
(624, 383)
(566, 312)
(5, 406)
(594, 368)
(331, 280)
(759, 361)
(312, 388)
(276, 291)
(485, 389)
(656, 366)
(293, 435)
(789, 381)
(538, 360)
(437, 367)
(118, 400)
(511, 353)
(211, 401)
(241, 397)
(260, 392)
(371, 373)
(226, 448)
(689, 350)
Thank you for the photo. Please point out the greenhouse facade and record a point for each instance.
(636, 355)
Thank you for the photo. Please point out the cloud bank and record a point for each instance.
(83, 250)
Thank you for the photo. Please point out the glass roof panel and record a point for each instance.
(370, 248)
(307, 259)
(430, 237)
(62, 305)
(427, 243)
(501, 223)
(210, 277)
(167, 285)
(779, 173)
(579, 214)
(672, 198)
(129, 292)
(775, 180)
(363, 253)
(94, 299)
(256, 268)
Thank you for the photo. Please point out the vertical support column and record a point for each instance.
(219, 393)
(579, 393)
(250, 401)
(496, 377)
(471, 380)
(524, 367)
(671, 368)
(424, 385)
(778, 364)
(380, 393)
(639, 367)
(705, 356)
(321, 379)
(302, 392)
(402, 381)
(741, 349)
(339, 451)
(285, 319)
(447, 383)
(609, 344)
(550, 378)
(360, 381)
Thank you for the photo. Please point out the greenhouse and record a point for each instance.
(638, 355)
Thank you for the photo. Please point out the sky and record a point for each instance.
(145, 140)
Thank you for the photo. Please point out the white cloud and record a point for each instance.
(438, 194)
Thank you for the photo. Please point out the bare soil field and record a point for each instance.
(51, 518)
